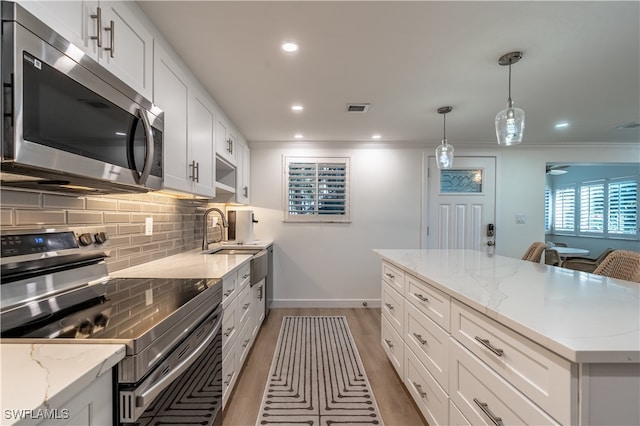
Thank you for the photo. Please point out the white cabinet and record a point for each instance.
(113, 33)
(243, 173)
(188, 127)
(225, 141)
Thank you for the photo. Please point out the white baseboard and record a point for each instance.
(325, 303)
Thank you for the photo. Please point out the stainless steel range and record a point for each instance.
(55, 285)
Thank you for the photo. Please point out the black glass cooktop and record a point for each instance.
(130, 308)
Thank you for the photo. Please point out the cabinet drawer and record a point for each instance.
(243, 344)
(244, 275)
(229, 328)
(429, 343)
(229, 288)
(394, 276)
(393, 346)
(541, 375)
(229, 373)
(431, 301)
(243, 307)
(393, 307)
(431, 399)
(485, 398)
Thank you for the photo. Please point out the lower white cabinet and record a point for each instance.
(243, 313)
(431, 399)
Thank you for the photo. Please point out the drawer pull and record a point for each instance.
(421, 297)
(485, 409)
(228, 331)
(389, 305)
(228, 292)
(488, 345)
(420, 339)
(245, 306)
(388, 342)
(418, 387)
(391, 276)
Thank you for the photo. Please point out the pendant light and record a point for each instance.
(444, 152)
(510, 121)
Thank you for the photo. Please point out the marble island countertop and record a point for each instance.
(192, 264)
(46, 376)
(580, 316)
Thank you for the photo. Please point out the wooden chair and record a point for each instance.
(534, 252)
(585, 264)
(551, 257)
(621, 264)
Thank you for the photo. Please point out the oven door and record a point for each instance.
(64, 120)
(185, 388)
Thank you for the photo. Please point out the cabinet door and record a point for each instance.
(71, 19)
(244, 173)
(127, 45)
(171, 94)
(201, 145)
(225, 141)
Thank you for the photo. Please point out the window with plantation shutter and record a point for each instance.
(564, 211)
(547, 209)
(623, 208)
(317, 189)
(592, 207)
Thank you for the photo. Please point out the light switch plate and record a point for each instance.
(521, 218)
(148, 226)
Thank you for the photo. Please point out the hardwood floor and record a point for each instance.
(396, 406)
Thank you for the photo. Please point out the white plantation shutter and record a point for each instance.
(592, 207)
(547, 209)
(317, 189)
(565, 210)
(623, 208)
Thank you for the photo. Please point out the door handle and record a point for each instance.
(112, 30)
(98, 18)
(491, 243)
(148, 159)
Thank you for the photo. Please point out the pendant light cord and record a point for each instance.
(444, 128)
(509, 81)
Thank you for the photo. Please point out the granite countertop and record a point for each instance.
(192, 264)
(46, 376)
(580, 316)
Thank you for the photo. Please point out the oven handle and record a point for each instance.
(149, 395)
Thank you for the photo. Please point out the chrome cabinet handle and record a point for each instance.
(246, 276)
(197, 168)
(228, 332)
(388, 305)
(390, 275)
(245, 190)
(418, 387)
(228, 292)
(245, 306)
(229, 377)
(260, 293)
(388, 342)
(421, 297)
(485, 409)
(420, 339)
(488, 345)
(112, 30)
(98, 18)
(245, 343)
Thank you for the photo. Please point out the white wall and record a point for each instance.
(333, 264)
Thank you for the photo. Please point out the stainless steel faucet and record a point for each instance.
(205, 221)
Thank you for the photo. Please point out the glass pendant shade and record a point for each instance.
(444, 155)
(510, 125)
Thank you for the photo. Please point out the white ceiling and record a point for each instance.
(581, 62)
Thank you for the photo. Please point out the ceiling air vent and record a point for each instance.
(358, 107)
(632, 125)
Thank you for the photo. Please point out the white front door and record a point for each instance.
(461, 204)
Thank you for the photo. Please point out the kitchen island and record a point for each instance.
(478, 338)
(57, 383)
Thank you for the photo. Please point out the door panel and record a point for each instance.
(460, 204)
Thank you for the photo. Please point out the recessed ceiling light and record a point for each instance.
(290, 46)
(297, 108)
(376, 136)
(561, 125)
(298, 136)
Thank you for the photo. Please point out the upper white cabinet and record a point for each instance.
(111, 32)
(225, 141)
(189, 122)
(243, 173)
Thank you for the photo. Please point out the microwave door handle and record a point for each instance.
(148, 160)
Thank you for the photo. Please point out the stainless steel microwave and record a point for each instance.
(69, 125)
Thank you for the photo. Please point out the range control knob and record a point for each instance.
(100, 237)
(85, 239)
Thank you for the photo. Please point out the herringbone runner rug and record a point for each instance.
(317, 377)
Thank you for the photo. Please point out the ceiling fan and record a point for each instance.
(556, 169)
